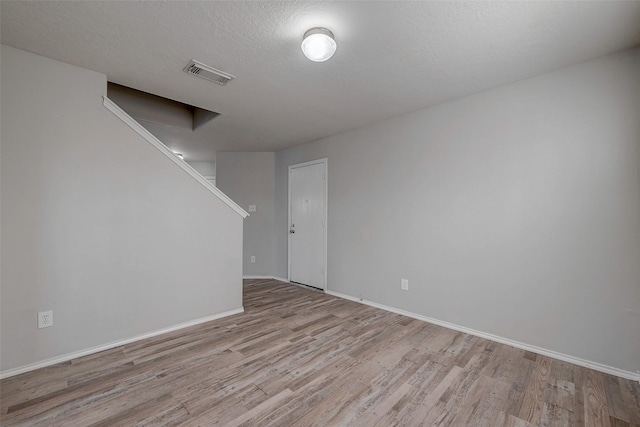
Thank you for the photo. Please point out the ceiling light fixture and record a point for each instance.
(318, 44)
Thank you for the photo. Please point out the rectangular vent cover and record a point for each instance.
(199, 69)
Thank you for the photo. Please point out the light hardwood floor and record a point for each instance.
(299, 357)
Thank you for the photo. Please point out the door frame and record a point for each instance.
(324, 162)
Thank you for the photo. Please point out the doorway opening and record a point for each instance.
(308, 224)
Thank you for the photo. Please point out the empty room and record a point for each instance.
(297, 213)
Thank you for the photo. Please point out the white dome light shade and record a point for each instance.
(318, 44)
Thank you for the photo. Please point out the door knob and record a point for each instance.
(292, 231)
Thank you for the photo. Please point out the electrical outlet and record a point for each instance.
(45, 319)
(253, 258)
(252, 208)
(404, 284)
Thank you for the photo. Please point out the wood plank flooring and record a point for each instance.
(301, 358)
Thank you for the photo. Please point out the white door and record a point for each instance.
(307, 223)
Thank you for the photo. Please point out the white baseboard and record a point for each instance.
(543, 351)
(74, 355)
(266, 278)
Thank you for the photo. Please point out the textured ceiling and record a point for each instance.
(392, 57)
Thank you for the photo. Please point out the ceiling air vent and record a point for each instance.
(199, 69)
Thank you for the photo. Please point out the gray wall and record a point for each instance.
(248, 178)
(97, 225)
(514, 212)
(204, 168)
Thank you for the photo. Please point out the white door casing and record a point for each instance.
(308, 223)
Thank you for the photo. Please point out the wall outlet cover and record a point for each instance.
(252, 208)
(45, 319)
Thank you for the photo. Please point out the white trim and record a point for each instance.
(309, 163)
(74, 355)
(148, 136)
(280, 279)
(543, 351)
(311, 288)
(325, 162)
